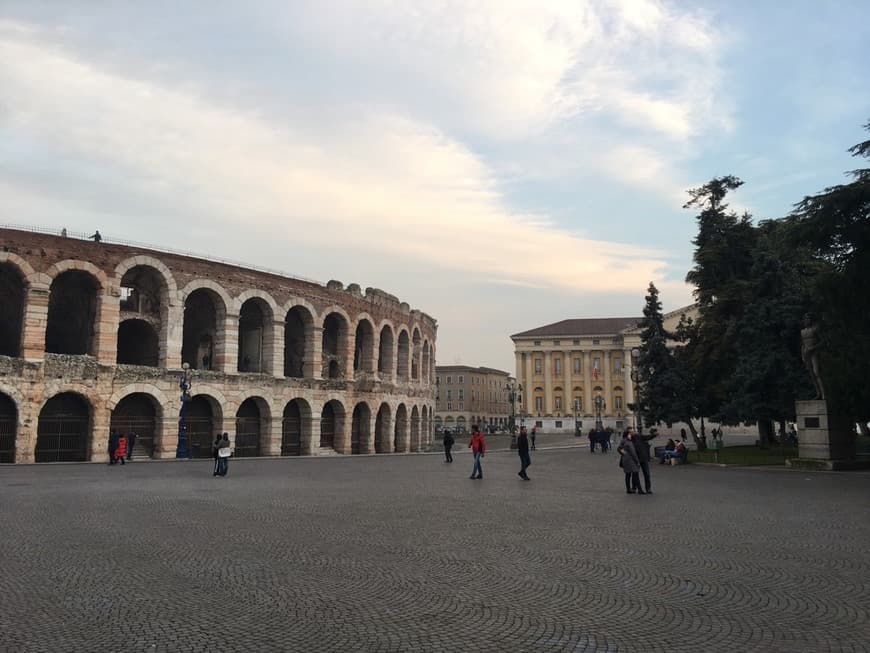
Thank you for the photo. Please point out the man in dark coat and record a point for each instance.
(523, 450)
(131, 442)
(641, 445)
(448, 445)
(113, 444)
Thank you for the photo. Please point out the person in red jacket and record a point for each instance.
(121, 449)
(478, 449)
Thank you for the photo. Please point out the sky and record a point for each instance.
(498, 164)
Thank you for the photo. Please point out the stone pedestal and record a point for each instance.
(825, 441)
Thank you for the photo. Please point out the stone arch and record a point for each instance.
(334, 342)
(386, 351)
(360, 431)
(427, 361)
(383, 430)
(68, 265)
(364, 345)
(256, 335)
(295, 426)
(331, 424)
(8, 428)
(73, 300)
(400, 430)
(204, 325)
(144, 388)
(204, 418)
(147, 288)
(403, 354)
(13, 300)
(415, 428)
(416, 354)
(24, 268)
(64, 428)
(140, 413)
(253, 421)
(299, 321)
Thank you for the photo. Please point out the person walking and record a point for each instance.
(448, 445)
(641, 445)
(131, 442)
(113, 444)
(523, 450)
(121, 449)
(215, 447)
(223, 453)
(630, 464)
(478, 449)
(534, 436)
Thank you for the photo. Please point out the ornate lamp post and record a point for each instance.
(635, 379)
(182, 450)
(513, 389)
(599, 406)
(576, 421)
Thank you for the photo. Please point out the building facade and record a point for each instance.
(94, 337)
(577, 372)
(471, 395)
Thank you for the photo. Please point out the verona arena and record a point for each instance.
(93, 337)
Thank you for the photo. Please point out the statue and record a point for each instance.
(809, 353)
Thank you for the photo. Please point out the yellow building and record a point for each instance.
(471, 395)
(576, 371)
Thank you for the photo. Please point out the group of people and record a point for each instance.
(672, 450)
(221, 452)
(599, 437)
(634, 459)
(121, 446)
(477, 444)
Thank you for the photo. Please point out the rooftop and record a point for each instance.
(591, 326)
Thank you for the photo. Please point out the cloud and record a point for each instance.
(370, 180)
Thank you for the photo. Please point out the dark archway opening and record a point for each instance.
(360, 427)
(12, 315)
(364, 347)
(295, 325)
(329, 425)
(403, 357)
(144, 297)
(400, 429)
(382, 430)
(138, 344)
(291, 429)
(248, 430)
(63, 431)
(385, 352)
(72, 310)
(8, 428)
(200, 427)
(200, 330)
(137, 413)
(334, 337)
(251, 324)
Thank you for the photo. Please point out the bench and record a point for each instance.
(671, 457)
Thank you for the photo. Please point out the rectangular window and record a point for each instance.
(539, 404)
(449, 406)
(617, 365)
(449, 395)
(576, 366)
(595, 341)
(578, 404)
(449, 379)
(556, 342)
(576, 341)
(539, 424)
(538, 365)
(461, 379)
(618, 402)
(596, 364)
(461, 406)
(461, 394)
(558, 424)
(557, 365)
(558, 401)
(537, 343)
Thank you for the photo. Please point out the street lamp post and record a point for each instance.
(513, 389)
(635, 379)
(576, 421)
(599, 406)
(182, 450)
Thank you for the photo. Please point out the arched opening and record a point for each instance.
(200, 419)
(144, 297)
(403, 356)
(334, 345)
(203, 309)
(364, 348)
(437, 423)
(427, 434)
(416, 355)
(72, 310)
(400, 430)
(360, 428)
(297, 322)
(138, 343)
(63, 431)
(415, 429)
(8, 428)
(385, 353)
(383, 432)
(12, 315)
(291, 427)
(331, 424)
(247, 444)
(137, 413)
(255, 337)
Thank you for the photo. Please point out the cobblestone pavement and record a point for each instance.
(405, 553)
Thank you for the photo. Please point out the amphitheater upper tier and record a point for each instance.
(94, 337)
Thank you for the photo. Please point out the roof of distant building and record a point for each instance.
(470, 368)
(591, 326)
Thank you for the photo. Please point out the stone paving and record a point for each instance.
(405, 553)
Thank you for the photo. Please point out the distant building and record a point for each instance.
(566, 366)
(471, 395)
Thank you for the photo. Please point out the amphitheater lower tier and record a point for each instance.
(63, 409)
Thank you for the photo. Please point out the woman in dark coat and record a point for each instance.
(523, 450)
(630, 463)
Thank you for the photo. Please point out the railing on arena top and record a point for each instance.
(80, 235)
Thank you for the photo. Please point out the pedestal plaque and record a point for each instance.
(825, 441)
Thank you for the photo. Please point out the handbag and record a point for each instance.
(224, 452)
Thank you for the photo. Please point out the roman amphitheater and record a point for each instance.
(94, 336)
